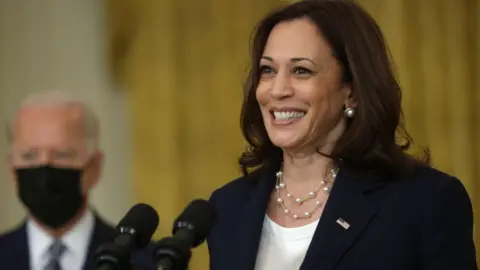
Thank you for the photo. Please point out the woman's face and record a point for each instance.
(300, 92)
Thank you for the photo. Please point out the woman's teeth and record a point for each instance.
(287, 115)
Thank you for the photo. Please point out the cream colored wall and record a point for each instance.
(61, 44)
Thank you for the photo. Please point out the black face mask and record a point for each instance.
(52, 195)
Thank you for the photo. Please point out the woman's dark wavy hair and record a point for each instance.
(375, 139)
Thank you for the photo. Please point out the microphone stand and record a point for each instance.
(136, 267)
(172, 254)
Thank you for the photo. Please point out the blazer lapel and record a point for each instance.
(345, 216)
(252, 222)
(102, 233)
(20, 251)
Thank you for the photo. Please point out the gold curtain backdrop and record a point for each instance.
(183, 63)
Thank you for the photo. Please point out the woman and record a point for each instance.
(327, 183)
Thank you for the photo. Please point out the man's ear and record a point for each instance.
(11, 167)
(97, 167)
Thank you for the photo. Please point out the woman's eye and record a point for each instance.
(302, 71)
(266, 70)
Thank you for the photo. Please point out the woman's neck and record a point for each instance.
(305, 169)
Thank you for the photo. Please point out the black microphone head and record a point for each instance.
(141, 221)
(198, 217)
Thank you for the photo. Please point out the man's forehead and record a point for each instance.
(53, 149)
(72, 148)
(49, 115)
(48, 128)
(70, 110)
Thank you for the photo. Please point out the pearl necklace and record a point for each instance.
(299, 201)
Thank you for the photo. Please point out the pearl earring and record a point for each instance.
(349, 112)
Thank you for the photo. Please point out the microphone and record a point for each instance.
(190, 229)
(133, 232)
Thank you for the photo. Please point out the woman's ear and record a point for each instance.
(350, 100)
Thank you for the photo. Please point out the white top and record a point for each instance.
(76, 241)
(283, 248)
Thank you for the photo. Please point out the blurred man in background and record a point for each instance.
(54, 161)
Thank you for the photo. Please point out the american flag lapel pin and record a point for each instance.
(343, 223)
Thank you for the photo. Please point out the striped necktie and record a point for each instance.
(55, 253)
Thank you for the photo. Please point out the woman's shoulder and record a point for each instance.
(440, 205)
(435, 188)
(240, 185)
(432, 178)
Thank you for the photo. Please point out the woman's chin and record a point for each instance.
(285, 142)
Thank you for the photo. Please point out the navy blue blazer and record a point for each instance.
(421, 223)
(14, 252)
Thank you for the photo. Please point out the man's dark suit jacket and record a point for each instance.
(14, 252)
(421, 223)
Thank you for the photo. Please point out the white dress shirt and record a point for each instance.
(76, 241)
(283, 248)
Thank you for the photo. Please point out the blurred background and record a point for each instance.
(165, 77)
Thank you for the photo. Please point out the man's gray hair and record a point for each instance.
(55, 98)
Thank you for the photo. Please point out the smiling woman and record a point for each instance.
(324, 69)
(327, 184)
(300, 88)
